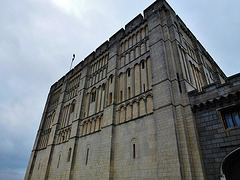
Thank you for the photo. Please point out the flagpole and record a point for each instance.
(71, 65)
(72, 61)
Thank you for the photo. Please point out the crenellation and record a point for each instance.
(101, 49)
(116, 37)
(133, 23)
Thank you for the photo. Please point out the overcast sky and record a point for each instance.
(38, 38)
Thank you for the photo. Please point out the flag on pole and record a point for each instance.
(72, 61)
(73, 57)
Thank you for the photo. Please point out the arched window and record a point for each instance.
(111, 79)
(122, 115)
(134, 148)
(146, 31)
(84, 128)
(127, 59)
(135, 110)
(138, 37)
(126, 45)
(89, 127)
(137, 79)
(87, 156)
(128, 112)
(143, 33)
(149, 105)
(110, 98)
(69, 154)
(73, 105)
(147, 45)
(132, 55)
(121, 96)
(142, 65)
(93, 95)
(130, 42)
(92, 126)
(102, 97)
(142, 48)
(121, 86)
(137, 53)
(106, 59)
(122, 48)
(86, 106)
(134, 151)
(129, 93)
(142, 107)
(134, 39)
(128, 72)
(149, 73)
(122, 61)
(110, 90)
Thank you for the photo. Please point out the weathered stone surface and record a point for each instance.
(126, 112)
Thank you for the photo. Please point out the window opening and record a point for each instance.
(134, 151)
(59, 157)
(73, 106)
(143, 65)
(110, 98)
(93, 96)
(121, 96)
(129, 92)
(69, 154)
(87, 156)
(231, 117)
(39, 165)
(128, 72)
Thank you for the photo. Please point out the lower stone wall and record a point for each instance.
(134, 150)
(59, 167)
(215, 141)
(39, 162)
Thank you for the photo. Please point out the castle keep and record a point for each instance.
(149, 103)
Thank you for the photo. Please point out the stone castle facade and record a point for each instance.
(141, 106)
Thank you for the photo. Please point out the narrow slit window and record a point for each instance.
(69, 154)
(128, 72)
(143, 65)
(121, 96)
(59, 157)
(93, 95)
(87, 156)
(134, 151)
(110, 98)
(129, 92)
(73, 106)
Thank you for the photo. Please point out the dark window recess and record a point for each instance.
(143, 65)
(231, 117)
(134, 151)
(93, 95)
(87, 157)
(128, 72)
